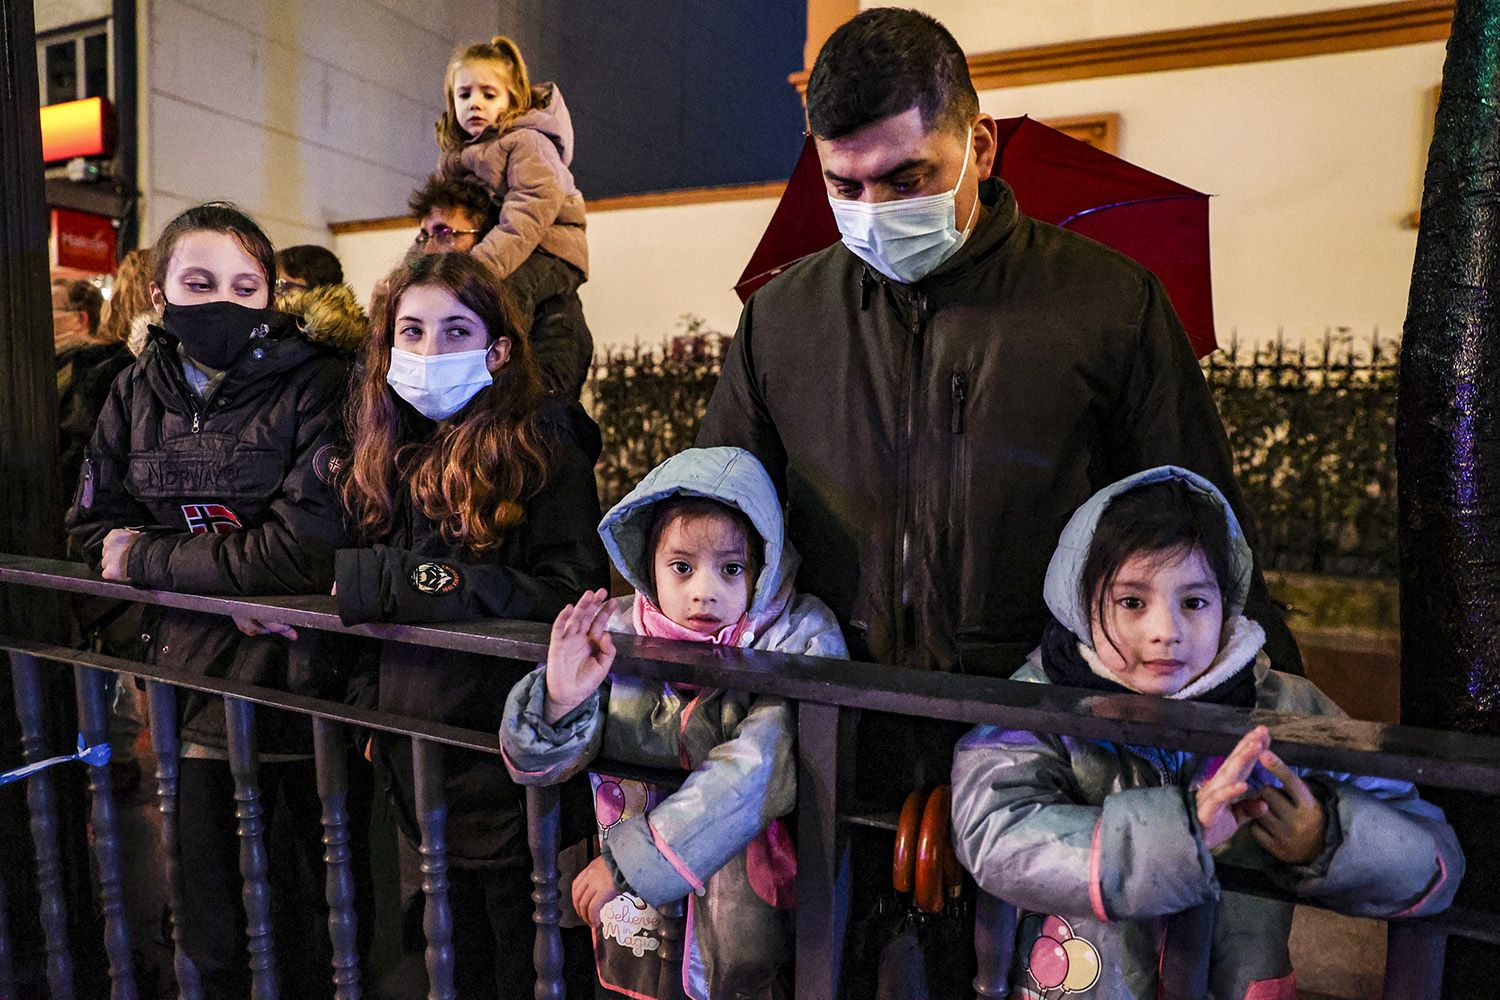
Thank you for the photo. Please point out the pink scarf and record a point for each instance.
(652, 621)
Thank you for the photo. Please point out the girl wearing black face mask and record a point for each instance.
(209, 473)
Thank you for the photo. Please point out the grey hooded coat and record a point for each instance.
(1104, 836)
(738, 747)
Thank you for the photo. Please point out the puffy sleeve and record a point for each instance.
(1022, 827)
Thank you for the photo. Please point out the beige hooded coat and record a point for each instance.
(526, 171)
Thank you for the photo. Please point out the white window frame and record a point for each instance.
(76, 34)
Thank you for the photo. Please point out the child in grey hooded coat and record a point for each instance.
(1107, 848)
(715, 839)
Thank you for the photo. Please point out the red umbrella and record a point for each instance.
(1056, 179)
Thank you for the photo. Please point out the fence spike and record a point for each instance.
(93, 718)
(162, 711)
(26, 677)
(543, 809)
(331, 753)
(432, 820)
(244, 764)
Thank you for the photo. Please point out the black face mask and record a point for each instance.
(216, 333)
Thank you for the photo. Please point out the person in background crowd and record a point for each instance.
(473, 494)
(310, 285)
(1117, 845)
(209, 473)
(88, 360)
(455, 215)
(307, 266)
(701, 540)
(516, 140)
(76, 305)
(128, 313)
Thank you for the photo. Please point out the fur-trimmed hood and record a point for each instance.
(331, 315)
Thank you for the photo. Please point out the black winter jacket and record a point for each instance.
(84, 377)
(232, 495)
(551, 558)
(932, 439)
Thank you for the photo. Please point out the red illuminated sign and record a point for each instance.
(83, 241)
(77, 128)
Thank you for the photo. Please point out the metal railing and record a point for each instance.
(828, 694)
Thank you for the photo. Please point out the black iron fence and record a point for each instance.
(828, 695)
(649, 403)
(1312, 428)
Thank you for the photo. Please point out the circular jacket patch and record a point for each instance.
(326, 463)
(434, 578)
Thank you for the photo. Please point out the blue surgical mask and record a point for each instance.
(907, 239)
(438, 385)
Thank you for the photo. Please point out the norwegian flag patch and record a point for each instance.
(210, 518)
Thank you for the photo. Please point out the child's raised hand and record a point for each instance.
(1293, 825)
(579, 655)
(1222, 806)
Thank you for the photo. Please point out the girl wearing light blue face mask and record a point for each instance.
(473, 493)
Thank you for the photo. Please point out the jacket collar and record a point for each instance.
(284, 349)
(991, 236)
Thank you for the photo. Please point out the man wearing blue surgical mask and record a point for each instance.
(935, 394)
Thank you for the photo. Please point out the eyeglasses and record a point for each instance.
(443, 236)
(285, 285)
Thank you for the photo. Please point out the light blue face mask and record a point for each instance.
(906, 239)
(438, 385)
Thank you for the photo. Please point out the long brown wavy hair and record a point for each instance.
(131, 297)
(473, 473)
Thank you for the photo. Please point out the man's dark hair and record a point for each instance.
(882, 62)
(82, 296)
(459, 192)
(311, 263)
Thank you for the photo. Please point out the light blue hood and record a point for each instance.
(730, 475)
(1065, 571)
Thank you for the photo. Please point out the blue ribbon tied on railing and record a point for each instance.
(94, 756)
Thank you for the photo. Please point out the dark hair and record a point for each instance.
(213, 217)
(82, 296)
(883, 61)
(1166, 519)
(463, 193)
(694, 508)
(311, 263)
(474, 474)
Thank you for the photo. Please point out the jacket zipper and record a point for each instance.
(958, 394)
(959, 391)
(917, 310)
(86, 484)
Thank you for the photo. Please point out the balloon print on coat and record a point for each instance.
(609, 803)
(616, 799)
(1055, 958)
